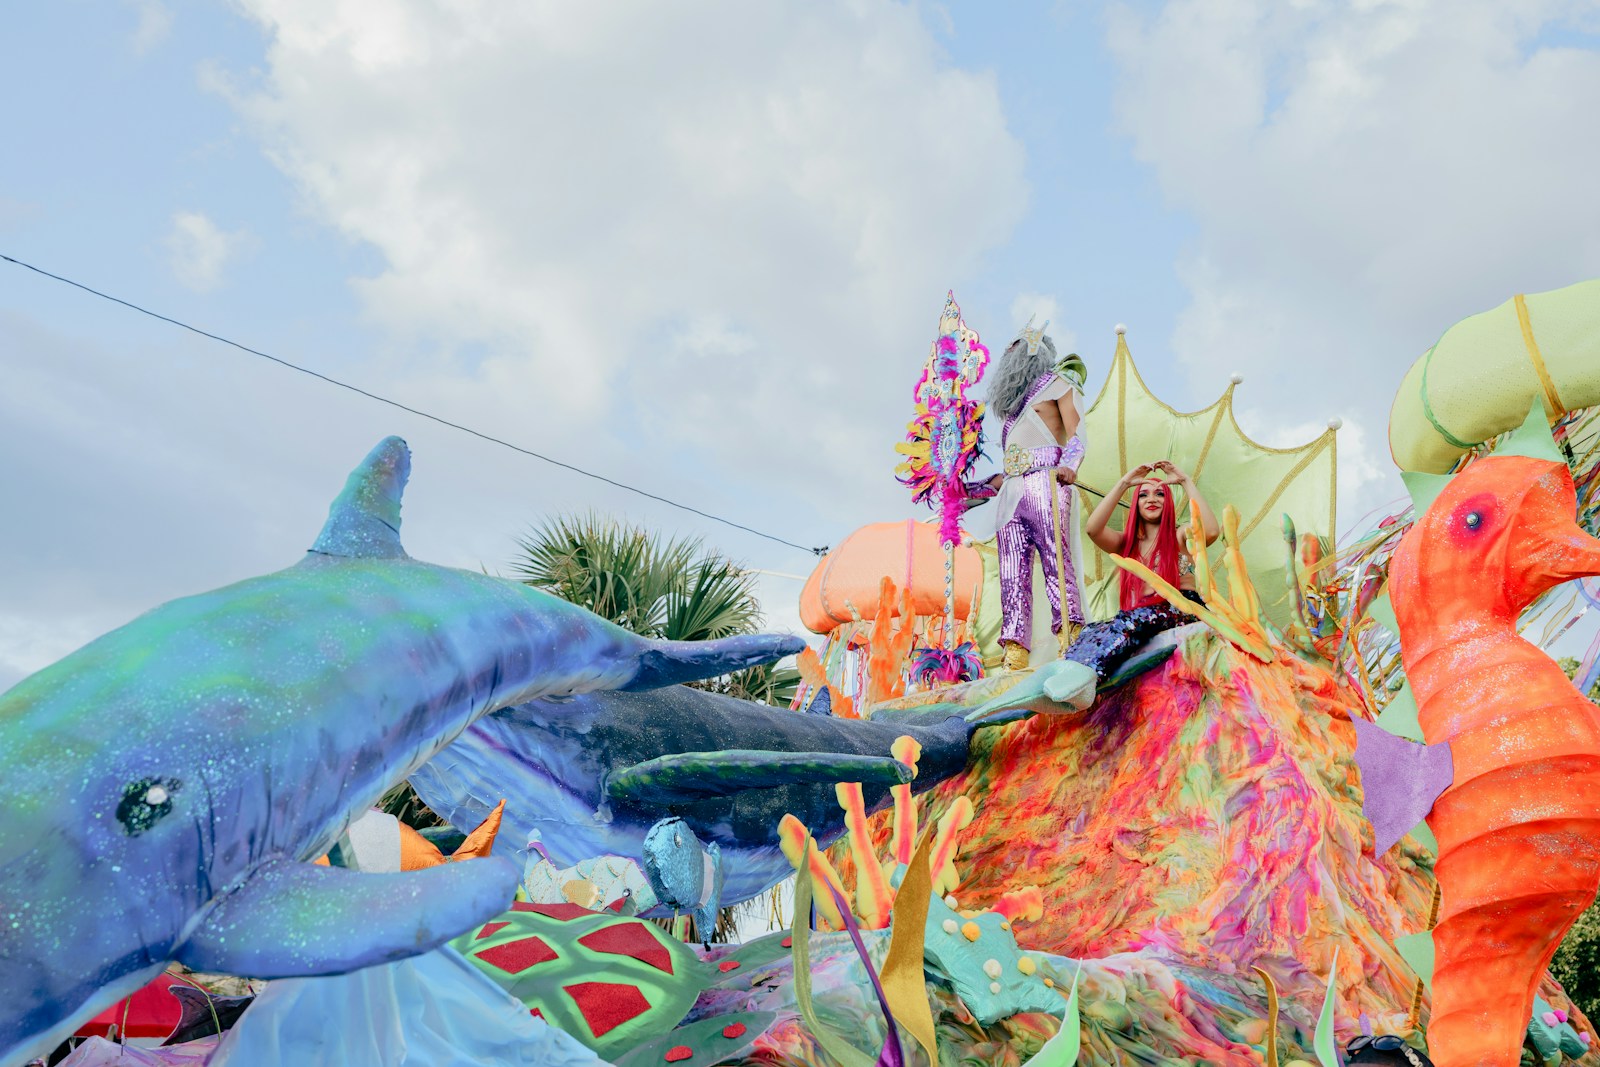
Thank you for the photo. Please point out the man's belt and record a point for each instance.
(1020, 461)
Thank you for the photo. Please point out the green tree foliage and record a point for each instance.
(1577, 962)
(675, 589)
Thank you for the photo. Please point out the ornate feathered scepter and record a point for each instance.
(944, 441)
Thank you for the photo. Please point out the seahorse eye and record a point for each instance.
(1474, 516)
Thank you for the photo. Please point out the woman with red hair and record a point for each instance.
(1151, 533)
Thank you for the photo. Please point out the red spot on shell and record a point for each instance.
(734, 1030)
(489, 930)
(514, 957)
(728, 965)
(787, 942)
(633, 940)
(678, 1052)
(564, 912)
(607, 1005)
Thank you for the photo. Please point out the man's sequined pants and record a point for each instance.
(1031, 530)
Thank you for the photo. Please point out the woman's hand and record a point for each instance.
(1066, 475)
(1134, 475)
(1174, 472)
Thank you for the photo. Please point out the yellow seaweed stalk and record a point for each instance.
(1236, 614)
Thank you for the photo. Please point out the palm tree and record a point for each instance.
(675, 589)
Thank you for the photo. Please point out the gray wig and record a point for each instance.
(1017, 371)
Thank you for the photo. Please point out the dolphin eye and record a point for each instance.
(146, 802)
(677, 840)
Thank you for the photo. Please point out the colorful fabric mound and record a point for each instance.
(1199, 820)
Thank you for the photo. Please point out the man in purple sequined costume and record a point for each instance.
(1037, 395)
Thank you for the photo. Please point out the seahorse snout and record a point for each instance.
(1547, 547)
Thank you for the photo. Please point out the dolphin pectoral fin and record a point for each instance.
(675, 662)
(1071, 683)
(690, 776)
(1062, 685)
(992, 715)
(294, 920)
(919, 715)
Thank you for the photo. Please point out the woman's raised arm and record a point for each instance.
(1097, 527)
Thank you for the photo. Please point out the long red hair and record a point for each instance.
(1165, 557)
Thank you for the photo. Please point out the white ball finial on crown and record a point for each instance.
(1121, 329)
(1236, 378)
(1335, 422)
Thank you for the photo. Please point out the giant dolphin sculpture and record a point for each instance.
(166, 786)
(593, 773)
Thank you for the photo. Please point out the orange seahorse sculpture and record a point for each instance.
(1519, 826)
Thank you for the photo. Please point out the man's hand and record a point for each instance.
(1066, 475)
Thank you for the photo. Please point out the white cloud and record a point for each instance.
(199, 251)
(715, 234)
(703, 254)
(1361, 176)
(154, 26)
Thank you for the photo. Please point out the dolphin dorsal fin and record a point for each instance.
(364, 519)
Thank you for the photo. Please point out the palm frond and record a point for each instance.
(676, 589)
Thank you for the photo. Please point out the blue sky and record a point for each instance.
(704, 252)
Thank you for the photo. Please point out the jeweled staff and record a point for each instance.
(944, 441)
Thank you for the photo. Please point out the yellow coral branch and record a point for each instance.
(943, 865)
(873, 897)
(907, 751)
(797, 845)
(1236, 616)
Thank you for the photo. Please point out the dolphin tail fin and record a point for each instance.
(293, 920)
(364, 519)
(689, 776)
(667, 663)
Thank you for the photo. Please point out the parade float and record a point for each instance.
(1344, 793)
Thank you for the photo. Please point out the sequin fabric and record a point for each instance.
(1028, 526)
(1031, 530)
(1105, 646)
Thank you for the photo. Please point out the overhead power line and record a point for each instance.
(415, 411)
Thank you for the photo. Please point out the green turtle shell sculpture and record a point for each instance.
(610, 981)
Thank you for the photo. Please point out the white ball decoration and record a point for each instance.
(1236, 378)
(1121, 329)
(1335, 422)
